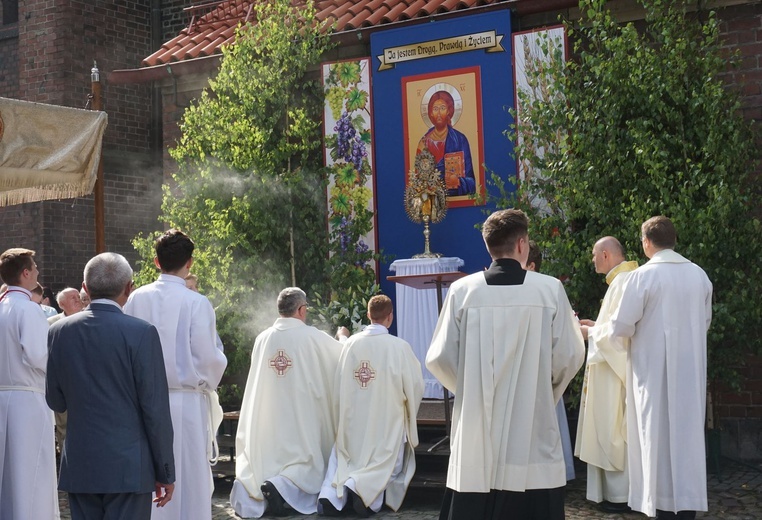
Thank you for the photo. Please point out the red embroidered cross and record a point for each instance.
(281, 363)
(365, 374)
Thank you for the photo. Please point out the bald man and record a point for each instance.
(601, 430)
(69, 301)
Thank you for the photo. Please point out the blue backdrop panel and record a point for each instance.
(456, 235)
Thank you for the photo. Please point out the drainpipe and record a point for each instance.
(157, 127)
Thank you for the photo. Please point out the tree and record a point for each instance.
(250, 188)
(640, 123)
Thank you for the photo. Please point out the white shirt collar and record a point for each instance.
(164, 277)
(17, 288)
(107, 302)
(375, 329)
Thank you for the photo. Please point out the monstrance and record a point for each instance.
(425, 197)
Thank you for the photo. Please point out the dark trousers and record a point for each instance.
(110, 506)
(680, 515)
(532, 504)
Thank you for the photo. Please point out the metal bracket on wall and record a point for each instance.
(174, 88)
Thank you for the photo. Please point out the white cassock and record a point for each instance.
(379, 386)
(27, 445)
(666, 310)
(602, 428)
(507, 352)
(287, 424)
(187, 328)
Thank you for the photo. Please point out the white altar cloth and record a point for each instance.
(417, 312)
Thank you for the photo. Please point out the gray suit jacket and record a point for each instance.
(107, 370)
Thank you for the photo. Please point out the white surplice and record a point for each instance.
(27, 445)
(666, 310)
(379, 387)
(287, 424)
(187, 328)
(602, 430)
(508, 353)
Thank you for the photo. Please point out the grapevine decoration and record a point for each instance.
(350, 217)
(425, 197)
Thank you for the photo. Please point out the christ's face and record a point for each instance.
(439, 114)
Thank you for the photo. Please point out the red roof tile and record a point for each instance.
(416, 8)
(216, 27)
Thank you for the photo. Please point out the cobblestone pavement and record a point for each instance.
(734, 494)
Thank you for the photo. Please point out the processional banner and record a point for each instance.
(47, 151)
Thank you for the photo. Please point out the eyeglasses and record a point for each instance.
(307, 307)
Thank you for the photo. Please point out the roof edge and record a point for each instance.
(520, 7)
(209, 63)
(165, 70)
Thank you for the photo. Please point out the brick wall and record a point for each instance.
(742, 32)
(9, 56)
(173, 19)
(58, 44)
(741, 412)
(21, 227)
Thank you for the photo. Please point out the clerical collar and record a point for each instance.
(623, 267)
(505, 271)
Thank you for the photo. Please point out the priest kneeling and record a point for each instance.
(287, 423)
(380, 386)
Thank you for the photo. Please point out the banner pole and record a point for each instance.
(99, 196)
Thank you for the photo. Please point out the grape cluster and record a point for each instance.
(361, 250)
(357, 154)
(335, 97)
(345, 134)
(349, 145)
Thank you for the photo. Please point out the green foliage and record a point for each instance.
(249, 189)
(640, 124)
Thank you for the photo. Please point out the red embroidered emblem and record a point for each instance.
(365, 374)
(281, 363)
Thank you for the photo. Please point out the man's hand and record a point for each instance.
(163, 494)
(343, 333)
(584, 326)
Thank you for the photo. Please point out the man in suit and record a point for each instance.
(107, 370)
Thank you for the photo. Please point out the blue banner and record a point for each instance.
(445, 87)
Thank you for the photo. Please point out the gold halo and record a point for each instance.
(457, 99)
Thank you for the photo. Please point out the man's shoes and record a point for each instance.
(328, 508)
(358, 505)
(615, 507)
(275, 504)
